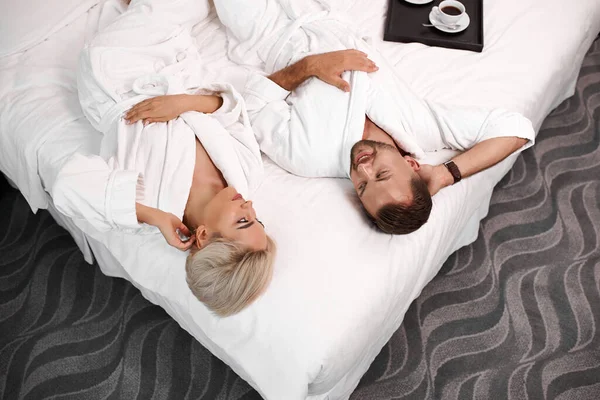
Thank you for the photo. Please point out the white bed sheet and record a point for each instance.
(340, 288)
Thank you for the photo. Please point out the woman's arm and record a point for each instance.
(167, 223)
(166, 108)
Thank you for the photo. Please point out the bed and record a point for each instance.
(340, 288)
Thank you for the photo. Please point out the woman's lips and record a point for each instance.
(237, 197)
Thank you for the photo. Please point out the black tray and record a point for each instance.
(404, 24)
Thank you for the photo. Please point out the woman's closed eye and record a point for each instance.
(244, 223)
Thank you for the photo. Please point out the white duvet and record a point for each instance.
(340, 288)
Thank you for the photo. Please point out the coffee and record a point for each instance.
(450, 10)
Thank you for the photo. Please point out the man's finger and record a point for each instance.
(364, 66)
(341, 84)
(355, 51)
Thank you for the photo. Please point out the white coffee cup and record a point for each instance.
(444, 12)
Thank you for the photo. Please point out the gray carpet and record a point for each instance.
(515, 315)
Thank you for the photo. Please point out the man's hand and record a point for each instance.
(166, 108)
(167, 223)
(329, 67)
(436, 177)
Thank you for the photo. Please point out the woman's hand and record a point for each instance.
(166, 108)
(329, 67)
(167, 223)
(159, 109)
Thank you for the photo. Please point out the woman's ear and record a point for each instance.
(414, 164)
(201, 236)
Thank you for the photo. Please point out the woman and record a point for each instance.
(194, 169)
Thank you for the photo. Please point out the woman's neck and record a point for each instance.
(207, 181)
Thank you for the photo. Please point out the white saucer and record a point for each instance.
(418, 1)
(463, 23)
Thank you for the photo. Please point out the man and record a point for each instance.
(373, 130)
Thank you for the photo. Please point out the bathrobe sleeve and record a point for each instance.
(436, 126)
(273, 120)
(461, 128)
(86, 188)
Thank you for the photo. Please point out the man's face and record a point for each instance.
(381, 175)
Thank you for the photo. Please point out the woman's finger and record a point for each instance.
(178, 244)
(184, 229)
(141, 107)
(131, 119)
(187, 245)
(144, 103)
(146, 107)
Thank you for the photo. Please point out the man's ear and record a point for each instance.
(201, 236)
(414, 164)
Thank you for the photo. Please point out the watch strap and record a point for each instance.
(454, 171)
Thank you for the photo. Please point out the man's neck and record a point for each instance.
(375, 133)
(207, 181)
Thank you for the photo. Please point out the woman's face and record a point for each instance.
(234, 218)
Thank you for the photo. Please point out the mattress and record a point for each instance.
(340, 288)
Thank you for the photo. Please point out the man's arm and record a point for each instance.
(328, 67)
(480, 157)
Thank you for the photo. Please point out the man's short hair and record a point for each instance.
(399, 218)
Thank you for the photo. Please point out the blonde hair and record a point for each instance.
(226, 277)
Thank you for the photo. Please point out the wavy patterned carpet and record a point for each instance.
(516, 315)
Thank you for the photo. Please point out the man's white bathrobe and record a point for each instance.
(148, 51)
(310, 131)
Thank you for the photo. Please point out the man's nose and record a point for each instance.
(366, 169)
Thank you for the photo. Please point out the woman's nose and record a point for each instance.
(247, 204)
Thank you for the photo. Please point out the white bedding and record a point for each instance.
(340, 288)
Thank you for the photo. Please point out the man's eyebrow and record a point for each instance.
(248, 225)
(363, 189)
(385, 178)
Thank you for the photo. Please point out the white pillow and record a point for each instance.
(25, 23)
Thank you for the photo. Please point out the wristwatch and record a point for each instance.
(453, 170)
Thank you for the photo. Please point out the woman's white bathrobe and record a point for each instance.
(310, 131)
(148, 51)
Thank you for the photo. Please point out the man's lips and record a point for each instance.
(362, 157)
(237, 197)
